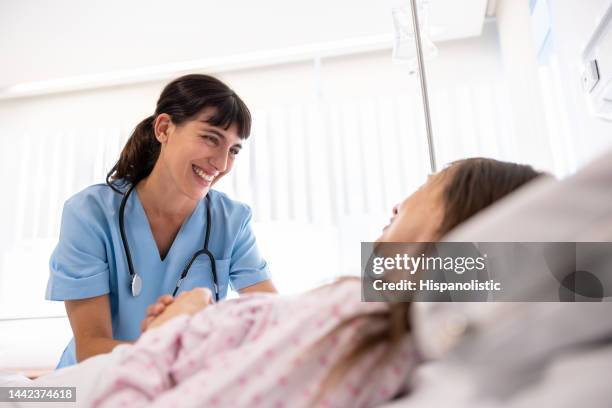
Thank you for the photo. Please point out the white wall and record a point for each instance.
(521, 72)
(573, 23)
(63, 38)
(71, 37)
(559, 118)
(461, 61)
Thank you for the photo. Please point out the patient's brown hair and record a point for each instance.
(474, 184)
(470, 185)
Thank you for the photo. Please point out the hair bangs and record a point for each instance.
(229, 111)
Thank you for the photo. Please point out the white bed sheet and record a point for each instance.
(84, 376)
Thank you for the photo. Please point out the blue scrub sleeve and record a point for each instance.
(78, 265)
(247, 267)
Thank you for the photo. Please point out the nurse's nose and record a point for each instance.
(219, 161)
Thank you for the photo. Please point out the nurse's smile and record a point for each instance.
(203, 178)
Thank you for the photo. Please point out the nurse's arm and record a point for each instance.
(263, 286)
(90, 320)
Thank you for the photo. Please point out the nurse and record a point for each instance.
(167, 166)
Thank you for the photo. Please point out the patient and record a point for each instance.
(323, 348)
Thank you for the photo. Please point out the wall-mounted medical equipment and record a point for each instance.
(597, 68)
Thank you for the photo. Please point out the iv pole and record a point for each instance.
(423, 80)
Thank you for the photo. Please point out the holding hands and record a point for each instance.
(166, 307)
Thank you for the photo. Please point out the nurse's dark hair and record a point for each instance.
(182, 99)
(468, 186)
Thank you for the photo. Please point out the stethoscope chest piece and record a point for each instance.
(136, 285)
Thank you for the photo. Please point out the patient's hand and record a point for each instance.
(188, 302)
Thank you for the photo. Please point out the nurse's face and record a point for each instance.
(196, 154)
(418, 217)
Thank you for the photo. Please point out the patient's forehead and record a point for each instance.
(425, 198)
(436, 180)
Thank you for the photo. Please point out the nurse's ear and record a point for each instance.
(163, 127)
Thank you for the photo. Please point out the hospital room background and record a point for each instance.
(338, 137)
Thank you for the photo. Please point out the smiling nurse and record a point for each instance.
(156, 227)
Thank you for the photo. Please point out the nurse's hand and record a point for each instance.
(188, 302)
(155, 310)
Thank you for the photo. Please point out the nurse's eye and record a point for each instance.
(234, 152)
(212, 140)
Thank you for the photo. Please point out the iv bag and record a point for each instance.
(404, 48)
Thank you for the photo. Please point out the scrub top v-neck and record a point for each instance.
(89, 259)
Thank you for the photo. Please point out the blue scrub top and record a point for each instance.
(89, 259)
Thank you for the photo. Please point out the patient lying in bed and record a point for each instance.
(259, 349)
(324, 347)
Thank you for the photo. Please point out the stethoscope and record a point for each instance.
(136, 280)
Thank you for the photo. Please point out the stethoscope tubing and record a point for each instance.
(135, 280)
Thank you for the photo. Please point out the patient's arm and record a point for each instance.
(91, 325)
(264, 286)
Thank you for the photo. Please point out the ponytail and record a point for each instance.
(137, 157)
